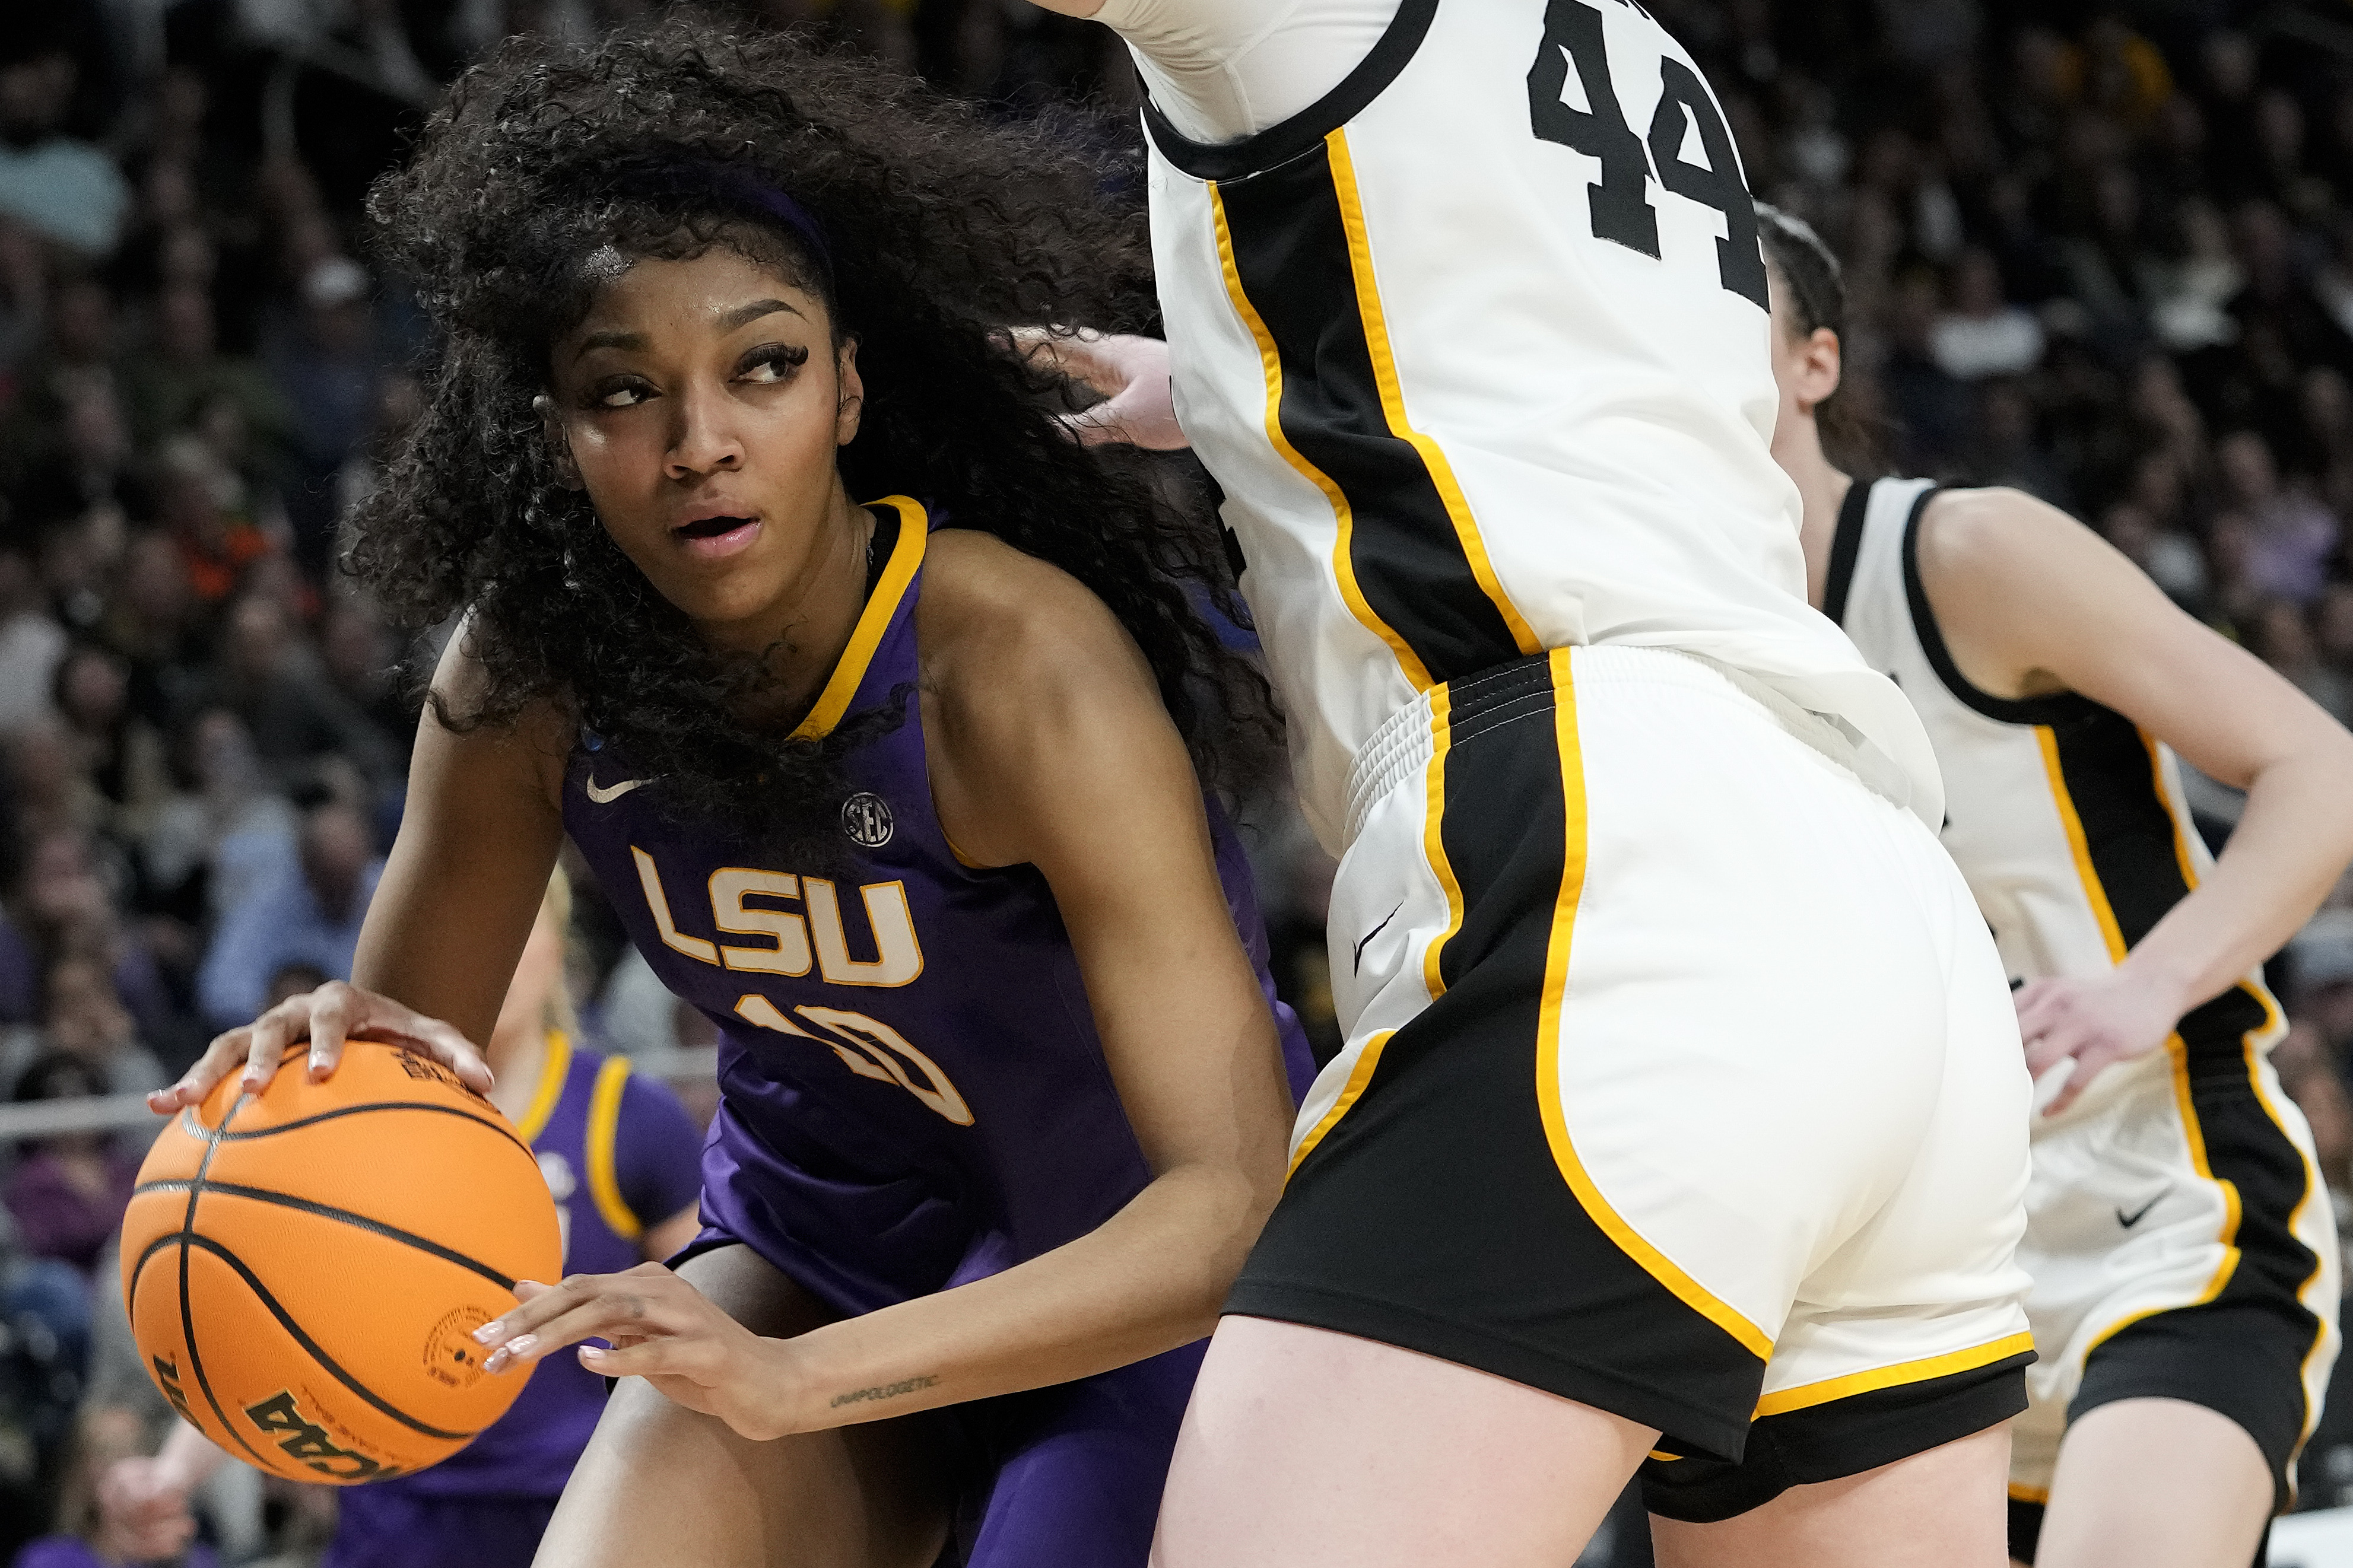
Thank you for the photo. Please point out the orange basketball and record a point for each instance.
(304, 1268)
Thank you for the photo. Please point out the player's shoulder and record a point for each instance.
(994, 618)
(1991, 535)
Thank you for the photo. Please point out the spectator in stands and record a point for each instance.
(60, 185)
(31, 641)
(200, 502)
(63, 908)
(150, 620)
(2294, 533)
(116, 751)
(68, 1193)
(1983, 333)
(185, 370)
(82, 1018)
(327, 367)
(310, 916)
(225, 834)
(271, 678)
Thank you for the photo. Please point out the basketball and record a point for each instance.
(304, 1268)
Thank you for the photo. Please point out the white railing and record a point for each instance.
(129, 1112)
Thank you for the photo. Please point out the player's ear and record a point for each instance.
(853, 393)
(1820, 366)
(559, 446)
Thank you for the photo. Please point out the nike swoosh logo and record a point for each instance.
(2128, 1221)
(1357, 962)
(607, 796)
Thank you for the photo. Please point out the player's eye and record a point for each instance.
(618, 392)
(772, 363)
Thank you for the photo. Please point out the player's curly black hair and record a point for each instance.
(939, 228)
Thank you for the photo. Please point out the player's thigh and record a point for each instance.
(1305, 1448)
(1939, 1508)
(661, 1485)
(2156, 1483)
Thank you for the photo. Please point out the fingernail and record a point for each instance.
(591, 1353)
(318, 1061)
(520, 1346)
(488, 1331)
(495, 1362)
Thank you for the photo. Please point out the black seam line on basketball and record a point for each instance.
(187, 1313)
(198, 1130)
(311, 1347)
(361, 1222)
(1292, 261)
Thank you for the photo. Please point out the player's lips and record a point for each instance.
(715, 529)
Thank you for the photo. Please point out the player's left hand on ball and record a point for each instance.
(662, 1329)
(2095, 1021)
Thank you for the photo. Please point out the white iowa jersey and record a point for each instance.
(1477, 350)
(2067, 820)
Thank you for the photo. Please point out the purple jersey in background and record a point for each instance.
(912, 1092)
(619, 1154)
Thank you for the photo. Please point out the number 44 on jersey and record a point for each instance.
(1573, 100)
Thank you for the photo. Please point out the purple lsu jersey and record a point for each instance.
(912, 1091)
(620, 1154)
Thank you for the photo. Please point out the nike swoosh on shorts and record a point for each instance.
(608, 796)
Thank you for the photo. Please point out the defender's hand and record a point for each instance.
(1139, 407)
(2096, 1021)
(326, 1018)
(662, 1329)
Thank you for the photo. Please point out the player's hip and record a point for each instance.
(1616, 939)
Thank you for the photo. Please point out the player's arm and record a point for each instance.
(1049, 746)
(478, 837)
(2031, 602)
(143, 1502)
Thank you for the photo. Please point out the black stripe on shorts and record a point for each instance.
(1434, 1215)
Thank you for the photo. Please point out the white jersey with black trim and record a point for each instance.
(2066, 819)
(1477, 348)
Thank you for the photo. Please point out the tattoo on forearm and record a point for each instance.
(885, 1391)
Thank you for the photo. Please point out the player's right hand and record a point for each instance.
(326, 1018)
(143, 1512)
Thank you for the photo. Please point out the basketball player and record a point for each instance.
(2181, 1239)
(620, 1156)
(906, 809)
(1468, 321)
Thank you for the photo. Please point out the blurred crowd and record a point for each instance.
(2102, 252)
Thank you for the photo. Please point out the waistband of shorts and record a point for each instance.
(1402, 745)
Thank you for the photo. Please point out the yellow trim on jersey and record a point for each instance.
(1350, 1092)
(604, 1127)
(1807, 1396)
(906, 554)
(1385, 376)
(2165, 798)
(1433, 836)
(1690, 1291)
(555, 1067)
(1271, 368)
(2037, 1496)
(2195, 1137)
(2094, 894)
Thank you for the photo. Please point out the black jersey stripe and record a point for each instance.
(2129, 852)
(1846, 546)
(1408, 558)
